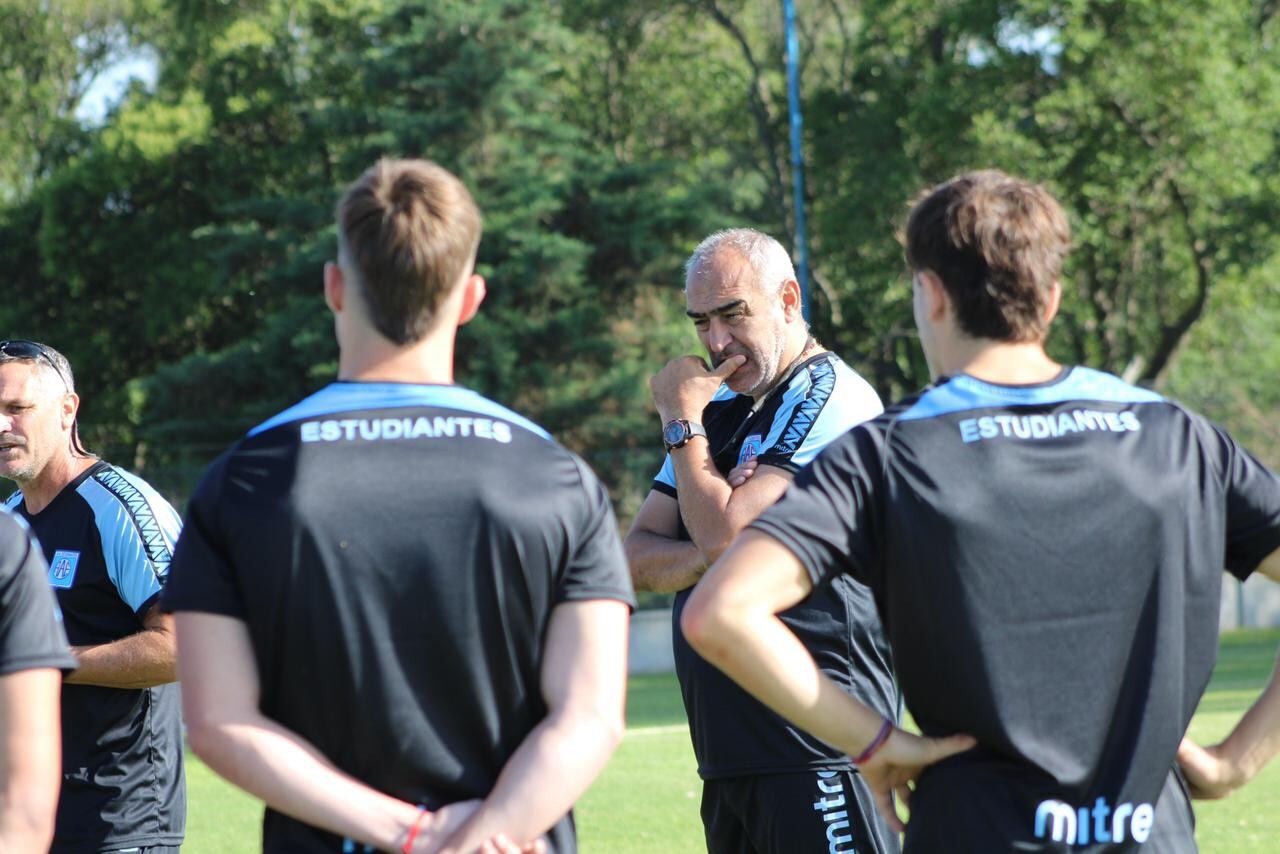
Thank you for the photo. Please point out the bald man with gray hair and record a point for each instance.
(736, 430)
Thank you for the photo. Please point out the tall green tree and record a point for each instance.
(217, 191)
(1152, 121)
(51, 52)
(175, 251)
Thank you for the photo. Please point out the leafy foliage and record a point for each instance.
(174, 252)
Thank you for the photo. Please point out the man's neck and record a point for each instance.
(428, 361)
(1003, 362)
(808, 346)
(39, 492)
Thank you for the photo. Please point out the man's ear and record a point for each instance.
(334, 287)
(1052, 304)
(792, 299)
(473, 293)
(937, 302)
(70, 406)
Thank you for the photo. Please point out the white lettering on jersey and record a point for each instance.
(1063, 823)
(1047, 426)
(390, 429)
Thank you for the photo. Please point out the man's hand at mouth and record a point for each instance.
(685, 386)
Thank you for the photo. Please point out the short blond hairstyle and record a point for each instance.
(409, 230)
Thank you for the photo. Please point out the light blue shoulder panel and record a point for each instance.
(822, 403)
(963, 393)
(342, 397)
(138, 530)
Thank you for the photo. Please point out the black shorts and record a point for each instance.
(813, 811)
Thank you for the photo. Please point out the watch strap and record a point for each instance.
(688, 430)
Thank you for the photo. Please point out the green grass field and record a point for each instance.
(647, 799)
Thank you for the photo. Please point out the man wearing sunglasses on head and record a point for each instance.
(107, 537)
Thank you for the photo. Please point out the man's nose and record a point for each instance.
(718, 337)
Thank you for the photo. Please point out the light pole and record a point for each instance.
(797, 156)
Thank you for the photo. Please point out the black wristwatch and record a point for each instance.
(677, 433)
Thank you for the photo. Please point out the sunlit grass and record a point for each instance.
(647, 799)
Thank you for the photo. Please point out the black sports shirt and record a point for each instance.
(1047, 560)
(31, 633)
(107, 538)
(733, 733)
(395, 552)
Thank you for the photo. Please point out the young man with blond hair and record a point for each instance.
(402, 608)
(1045, 543)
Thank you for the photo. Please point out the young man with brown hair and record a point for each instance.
(402, 608)
(1045, 544)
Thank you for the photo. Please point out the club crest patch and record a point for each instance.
(750, 448)
(62, 569)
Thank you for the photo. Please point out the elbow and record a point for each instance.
(640, 580)
(27, 819)
(608, 720)
(633, 551)
(598, 731)
(612, 728)
(205, 738)
(713, 544)
(706, 626)
(164, 656)
(712, 550)
(201, 739)
(168, 674)
(629, 549)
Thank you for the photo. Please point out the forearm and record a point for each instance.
(1255, 740)
(292, 777)
(540, 782)
(705, 499)
(30, 758)
(143, 660)
(662, 564)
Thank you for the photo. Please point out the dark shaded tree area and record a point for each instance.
(174, 251)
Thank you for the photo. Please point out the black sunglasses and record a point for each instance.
(20, 349)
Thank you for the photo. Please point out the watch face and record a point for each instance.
(674, 433)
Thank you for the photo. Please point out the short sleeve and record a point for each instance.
(596, 567)
(1253, 506)
(821, 404)
(138, 530)
(31, 634)
(829, 517)
(202, 578)
(665, 480)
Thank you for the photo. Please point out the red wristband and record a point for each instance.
(886, 729)
(407, 848)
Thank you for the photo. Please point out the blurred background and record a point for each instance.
(168, 170)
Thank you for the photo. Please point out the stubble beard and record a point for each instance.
(21, 476)
(770, 365)
(20, 471)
